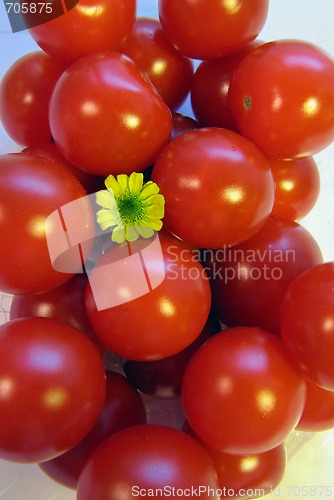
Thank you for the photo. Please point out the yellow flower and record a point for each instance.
(130, 207)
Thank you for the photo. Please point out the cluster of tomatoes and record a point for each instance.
(241, 327)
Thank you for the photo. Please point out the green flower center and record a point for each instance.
(131, 208)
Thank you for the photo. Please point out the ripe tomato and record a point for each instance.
(31, 189)
(182, 124)
(91, 26)
(123, 407)
(297, 187)
(105, 116)
(207, 29)
(170, 72)
(52, 383)
(307, 324)
(25, 93)
(148, 457)
(282, 98)
(209, 89)
(161, 322)
(218, 187)
(241, 394)
(318, 413)
(249, 280)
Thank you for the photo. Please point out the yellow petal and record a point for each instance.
(156, 199)
(149, 189)
(106, 199)
(154, 224)
(113, 186)
(106, 218)
(123, 181)
(118, 235)
(154, 211)
(145, 231)
(131, 233)
(136, 182)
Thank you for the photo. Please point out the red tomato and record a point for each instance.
(163, 378)
(307, 324)
(65, 303)
(282, 98)
(106, 118)
(91, 183)
(218, 187)
(163, 320)
(209, 89)
(31, 189)
(170, 72)
(241, 394)
(249, 280)
(318, 413)
(182, 124)
(297, 187)
(207, 29)
(52, 383)
(123, 407)
(25, 93)
(91, 26)
(148, 457)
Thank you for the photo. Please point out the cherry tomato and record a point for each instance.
(123, 407)
(249, 280)
(65, 303)
(163, 320)
(105, 116)
(218, 187)
(25, 93)
(207, 29)
(170, 72)
(209, 89)
(297, 187)
(241, 394)
(148, 457)
(91, 26)
(182, 124)
(318, 413)
(31, 189)
(163, 378)
(52, 383)
(282, 98)
(307, 324)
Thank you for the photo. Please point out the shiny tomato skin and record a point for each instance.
(31, 189)
(307, 324)
(318, 413)
(207, 29)
(249, 281)
(159, 323)
(105, 116)
(282, 98)
(91, 26)
(170, 72)
(148, 457)
(218, 187)
(54, 380)
(25, 92)
(182, 124)
(297, 187)
(122, 408)
(241, 393)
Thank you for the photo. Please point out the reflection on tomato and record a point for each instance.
(307, 324)
(249, 280)
(31, 189)
(282, 98)
(25, 92)
(169, 71)
(218, 187)
(123, 407)
(161, 322)
(147, 457)
(52, 383)
(241, 394)
(106, 117)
